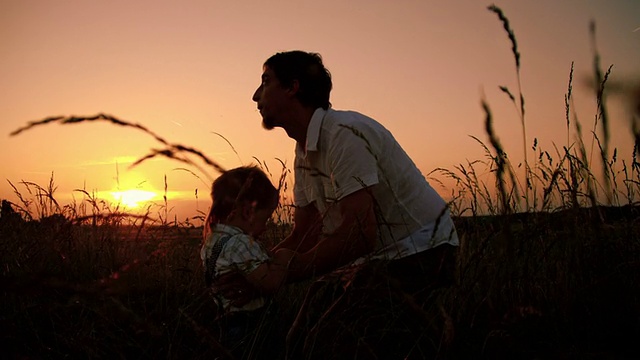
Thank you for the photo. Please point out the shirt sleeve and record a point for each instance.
(352, 158)
(242, 253)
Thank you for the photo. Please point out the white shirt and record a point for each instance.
(345, 152)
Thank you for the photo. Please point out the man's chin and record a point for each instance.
(268, 124)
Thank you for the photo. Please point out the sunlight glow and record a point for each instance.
(132, 198)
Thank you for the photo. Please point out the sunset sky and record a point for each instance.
(187, 69)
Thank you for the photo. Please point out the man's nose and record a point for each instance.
(256, 94)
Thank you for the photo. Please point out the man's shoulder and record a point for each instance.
(347, 118)
(356, 122)
(344, 114)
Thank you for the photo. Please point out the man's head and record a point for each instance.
(293, 73)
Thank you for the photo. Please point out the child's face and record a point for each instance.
(258, 221)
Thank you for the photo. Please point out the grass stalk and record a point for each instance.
(520, 106)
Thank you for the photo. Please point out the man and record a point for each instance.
(358, 195)
(364, 215)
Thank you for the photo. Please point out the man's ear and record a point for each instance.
(294, 88)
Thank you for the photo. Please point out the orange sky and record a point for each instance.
(187, 69)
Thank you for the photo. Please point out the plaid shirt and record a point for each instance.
(227, 249)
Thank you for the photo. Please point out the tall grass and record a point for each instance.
(547, 266)
(559, 179)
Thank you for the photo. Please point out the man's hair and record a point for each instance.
(238, 186)
(306, 67)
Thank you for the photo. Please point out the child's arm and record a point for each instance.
(269, 276)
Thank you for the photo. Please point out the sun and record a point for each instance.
(132, 198)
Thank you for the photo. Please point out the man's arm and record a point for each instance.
(353, 238)
(307, 225)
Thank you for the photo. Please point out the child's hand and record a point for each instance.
(283, 256)
(234, 287)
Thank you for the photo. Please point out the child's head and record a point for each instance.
(244, 196)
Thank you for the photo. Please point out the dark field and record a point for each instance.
(562, 285)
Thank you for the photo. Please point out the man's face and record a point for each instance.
(270, 98)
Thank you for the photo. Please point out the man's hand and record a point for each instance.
(282, 257)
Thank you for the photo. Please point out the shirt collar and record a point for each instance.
(228, 229)
(313, 131)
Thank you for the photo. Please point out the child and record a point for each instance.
(243, 200)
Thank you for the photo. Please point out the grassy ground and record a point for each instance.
(550, 286)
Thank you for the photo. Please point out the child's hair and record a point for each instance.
(238, 186)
